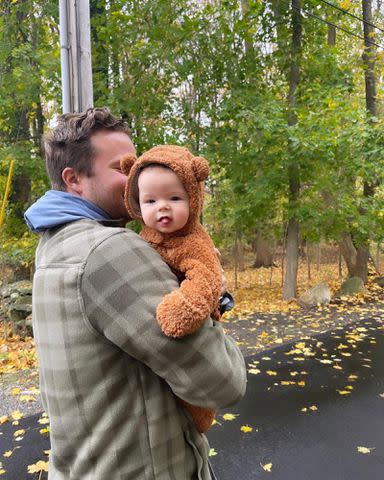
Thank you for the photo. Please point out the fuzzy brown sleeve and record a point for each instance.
(183, 311)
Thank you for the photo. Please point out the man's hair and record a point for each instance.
(69, 145)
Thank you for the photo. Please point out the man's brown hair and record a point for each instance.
(69, 145)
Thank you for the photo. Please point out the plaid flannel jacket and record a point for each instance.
(108, 374)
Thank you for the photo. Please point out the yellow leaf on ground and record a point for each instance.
(38, 467)
(212, 452)
(4, 419)
(267, 467)
(16, 415)
(365, 450)
(44, 420)
(343, 392)
(19, 433)
(7, 454)
(27, 398)
(229, 416)
(15, 391)
(271, 373)
(246, 428)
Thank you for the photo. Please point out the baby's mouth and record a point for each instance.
(165, 220)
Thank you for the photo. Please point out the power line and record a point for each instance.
(337, 26)
(352, 15)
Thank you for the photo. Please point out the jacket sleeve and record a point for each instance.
(123, 281)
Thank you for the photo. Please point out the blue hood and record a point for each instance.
(57, 208)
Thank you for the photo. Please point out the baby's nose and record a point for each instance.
(163, 205)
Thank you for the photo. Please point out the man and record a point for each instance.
(109, 377)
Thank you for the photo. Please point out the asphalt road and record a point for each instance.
(322, 442)
(338, 377)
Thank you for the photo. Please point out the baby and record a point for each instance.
(165, 191)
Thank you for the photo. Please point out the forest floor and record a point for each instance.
(259, 321)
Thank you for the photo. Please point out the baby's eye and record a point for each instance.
(175, 198)
(151, 200)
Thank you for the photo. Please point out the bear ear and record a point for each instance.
(126, 163)
(200, 168)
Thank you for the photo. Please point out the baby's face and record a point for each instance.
(164, 203)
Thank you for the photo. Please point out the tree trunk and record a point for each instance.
(331, 35)
(264, 252)
(355, 257)
(290, 282)
(239, 254)
(362, 249)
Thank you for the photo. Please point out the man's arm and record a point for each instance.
(123, 282)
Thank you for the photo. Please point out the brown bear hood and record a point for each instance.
(191, 170)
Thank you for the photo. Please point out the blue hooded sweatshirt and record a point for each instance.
(57, 208)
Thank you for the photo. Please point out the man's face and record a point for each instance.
(105, 187)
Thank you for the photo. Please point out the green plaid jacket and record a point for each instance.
(108, 374)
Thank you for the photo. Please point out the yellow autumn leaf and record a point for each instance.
(19, 433)
(365, 450)
(313, 408)
(7, 454)
(2, 471)
(15, 391)
(301, 383)
(16, 415)
(38, 467)
(254, 371)
(212, 452)
(267, 467)
(4, 419)
(271, 373)
(44, 431)
(27, 398)
(246, 428)
(229, 416)
(343, 392)
(43, 420)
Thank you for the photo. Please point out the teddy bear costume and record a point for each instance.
(189, 252)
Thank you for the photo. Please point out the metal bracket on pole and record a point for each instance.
(76, 62)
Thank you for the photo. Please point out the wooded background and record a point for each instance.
(283, 97)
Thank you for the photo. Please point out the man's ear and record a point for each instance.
(71, 178)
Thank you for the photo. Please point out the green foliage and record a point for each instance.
(214, 76)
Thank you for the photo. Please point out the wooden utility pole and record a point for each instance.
(76, 62)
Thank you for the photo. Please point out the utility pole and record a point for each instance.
(76, 62)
